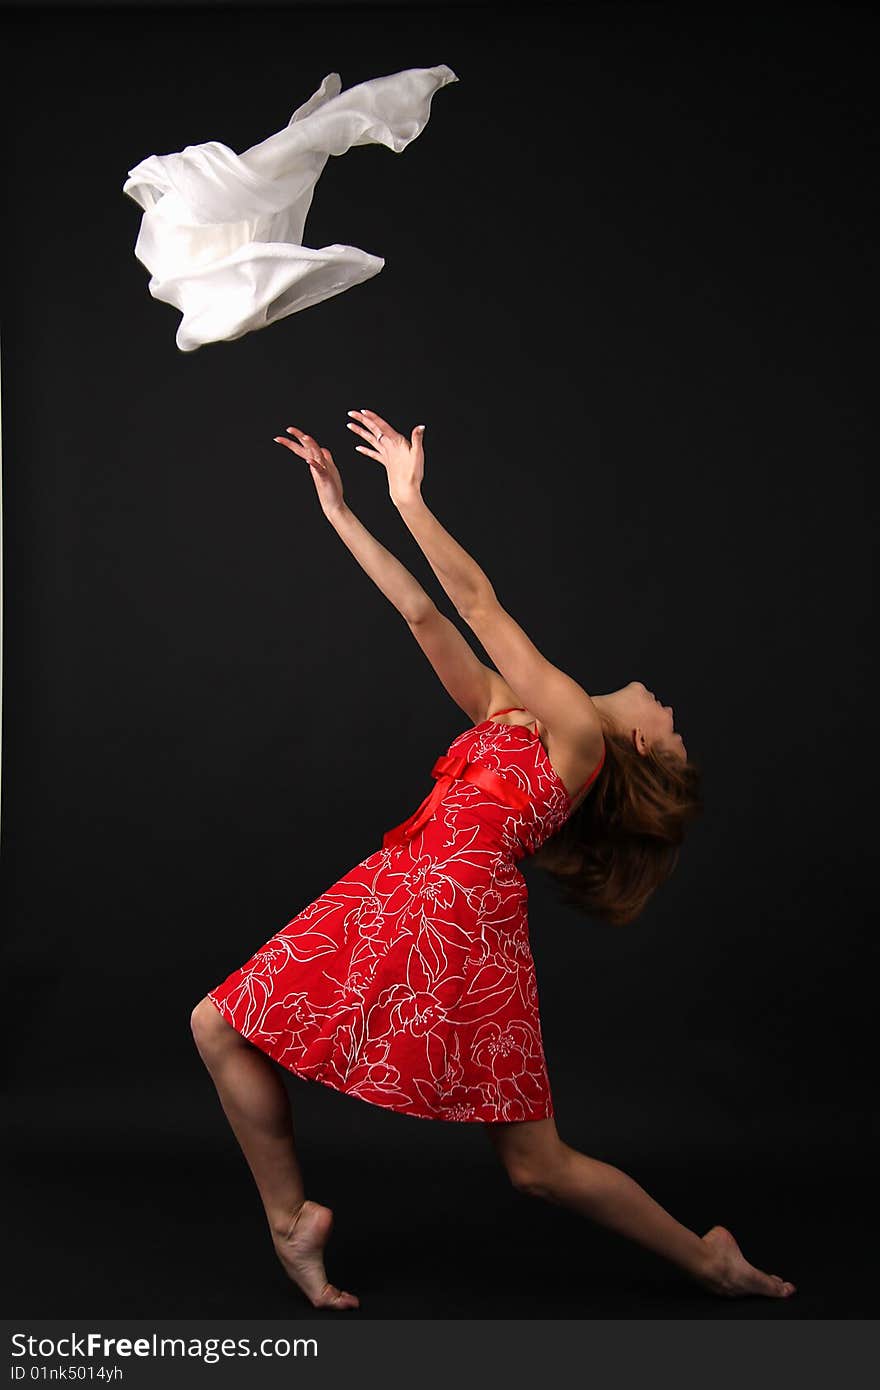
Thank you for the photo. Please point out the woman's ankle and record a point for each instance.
(705, 1266)
(281, 1223)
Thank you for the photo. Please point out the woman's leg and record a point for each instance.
(257, 1107)
(538, 1162)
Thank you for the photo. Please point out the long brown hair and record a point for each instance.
(624, 839)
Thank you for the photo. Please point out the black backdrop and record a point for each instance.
(627, 288)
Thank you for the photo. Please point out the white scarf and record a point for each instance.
(222, 233)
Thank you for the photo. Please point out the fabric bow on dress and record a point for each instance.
(447, 769)
(222, 233)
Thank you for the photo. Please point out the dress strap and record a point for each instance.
(594, 774)
(509, 710)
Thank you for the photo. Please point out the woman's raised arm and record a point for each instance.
(559, 702)
(399, 586)
(471, 683)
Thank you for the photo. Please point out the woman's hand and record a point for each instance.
(403, 459)
(325, 474)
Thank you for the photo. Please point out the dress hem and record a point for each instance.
(265, 1046)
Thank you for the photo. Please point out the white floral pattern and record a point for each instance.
(410, 982)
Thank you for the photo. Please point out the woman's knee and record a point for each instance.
(209, 1028)
(533, 1159)
(534, 1176)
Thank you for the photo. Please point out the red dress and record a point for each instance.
(410, 982)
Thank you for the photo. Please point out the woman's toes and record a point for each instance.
(331, 1297)
(773, 1285)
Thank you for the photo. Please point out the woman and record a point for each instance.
(410, 983)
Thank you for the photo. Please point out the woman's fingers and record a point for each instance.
(371, 439)
(372, 431)
(300, 434)
(307, 449)
(301, 453)
(290, 444)
(305, 439)
(364, 434)
(311, 446)
(376, 423)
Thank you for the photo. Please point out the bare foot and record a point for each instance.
(301, 1251)
(730, 1274)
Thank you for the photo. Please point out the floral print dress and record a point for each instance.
(410, 982)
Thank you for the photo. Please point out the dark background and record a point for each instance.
(628, 288)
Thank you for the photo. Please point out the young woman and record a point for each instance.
(410, 982)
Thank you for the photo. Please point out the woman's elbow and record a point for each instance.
(479, 602)
(419, 609)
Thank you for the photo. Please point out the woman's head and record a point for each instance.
(635, 712)
(623, 840)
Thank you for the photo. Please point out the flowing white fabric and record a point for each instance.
(222, 233)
